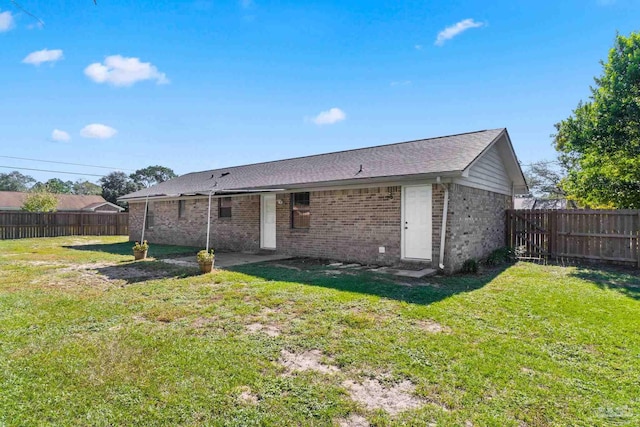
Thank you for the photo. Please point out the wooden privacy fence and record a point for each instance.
(20, 225)
(601, 235)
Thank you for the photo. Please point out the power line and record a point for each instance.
(18, 6)
(47, 170)
(66, 163)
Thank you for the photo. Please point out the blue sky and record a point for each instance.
(200, 84)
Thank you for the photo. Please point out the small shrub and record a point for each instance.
(470, 266)
(500, 256)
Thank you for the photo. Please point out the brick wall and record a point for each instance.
(346, 225)
(475, 224)
(241, 232)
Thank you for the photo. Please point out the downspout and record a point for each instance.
(443, 228)
(144, 218)
(209, 219)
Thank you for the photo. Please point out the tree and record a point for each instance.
(544, 180)
(58, 186)
(599, 144)
(40, 201)
(152, 175)
(15, 181)
(86, 188)
(116, 184)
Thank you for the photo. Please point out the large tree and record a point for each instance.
(116, 184)
(152, 175)
(55, 185)
(599, 143)
(15, 181)
(86, 188)
(544, 180)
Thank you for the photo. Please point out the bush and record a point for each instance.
(500, 256)
(470, 266)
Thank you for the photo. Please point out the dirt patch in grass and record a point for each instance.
(101, 274)
(246, 396)
(353, 421)
(432, 326)
(374, 395)
(306, 361)
(203, 322)
(269, 330)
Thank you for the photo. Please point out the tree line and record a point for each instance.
(43, 195)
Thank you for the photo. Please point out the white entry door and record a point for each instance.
(268, 221)
(416, 222)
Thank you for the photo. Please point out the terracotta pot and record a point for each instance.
(206, 267)
(139, 254)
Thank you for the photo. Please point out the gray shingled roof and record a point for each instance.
(447, 154)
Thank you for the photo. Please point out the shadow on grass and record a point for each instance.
(624, 280)
(126, 248)
(415, 291)
(143, 271)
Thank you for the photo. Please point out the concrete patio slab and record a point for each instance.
(415, 274)
(227, 259)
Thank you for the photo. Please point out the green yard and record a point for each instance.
(90, 338)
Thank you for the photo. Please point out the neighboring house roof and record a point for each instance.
(533, 203)
(13, 200)
(443, 156)
(100, 206)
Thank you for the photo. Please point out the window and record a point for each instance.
(224, 207)
(149, 216)
(181, 208)
(300, 214)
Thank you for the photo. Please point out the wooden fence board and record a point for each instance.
(607, 235)
(21, 225)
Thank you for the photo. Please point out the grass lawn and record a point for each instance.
(88, 337)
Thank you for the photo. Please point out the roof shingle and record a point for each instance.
(426, 156)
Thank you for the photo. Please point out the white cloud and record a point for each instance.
(60, 135)
(98, 131)
(6, 21)
(44, 55)
(456, 29)
(246, 4)
(121, 71)
(329, 117)
(401, 83)
(418, 47)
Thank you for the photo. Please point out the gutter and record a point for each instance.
(443, 228)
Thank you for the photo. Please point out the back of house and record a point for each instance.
(433, 202)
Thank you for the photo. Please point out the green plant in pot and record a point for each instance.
(206, 260)
(140, 250)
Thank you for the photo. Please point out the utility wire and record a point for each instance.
(47, 170)
(18, 6)
(66, 163)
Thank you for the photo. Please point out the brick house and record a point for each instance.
(379, 205)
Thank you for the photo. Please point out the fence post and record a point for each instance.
(553, 220)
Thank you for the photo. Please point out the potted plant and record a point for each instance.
(140, 250)
(205, 260)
